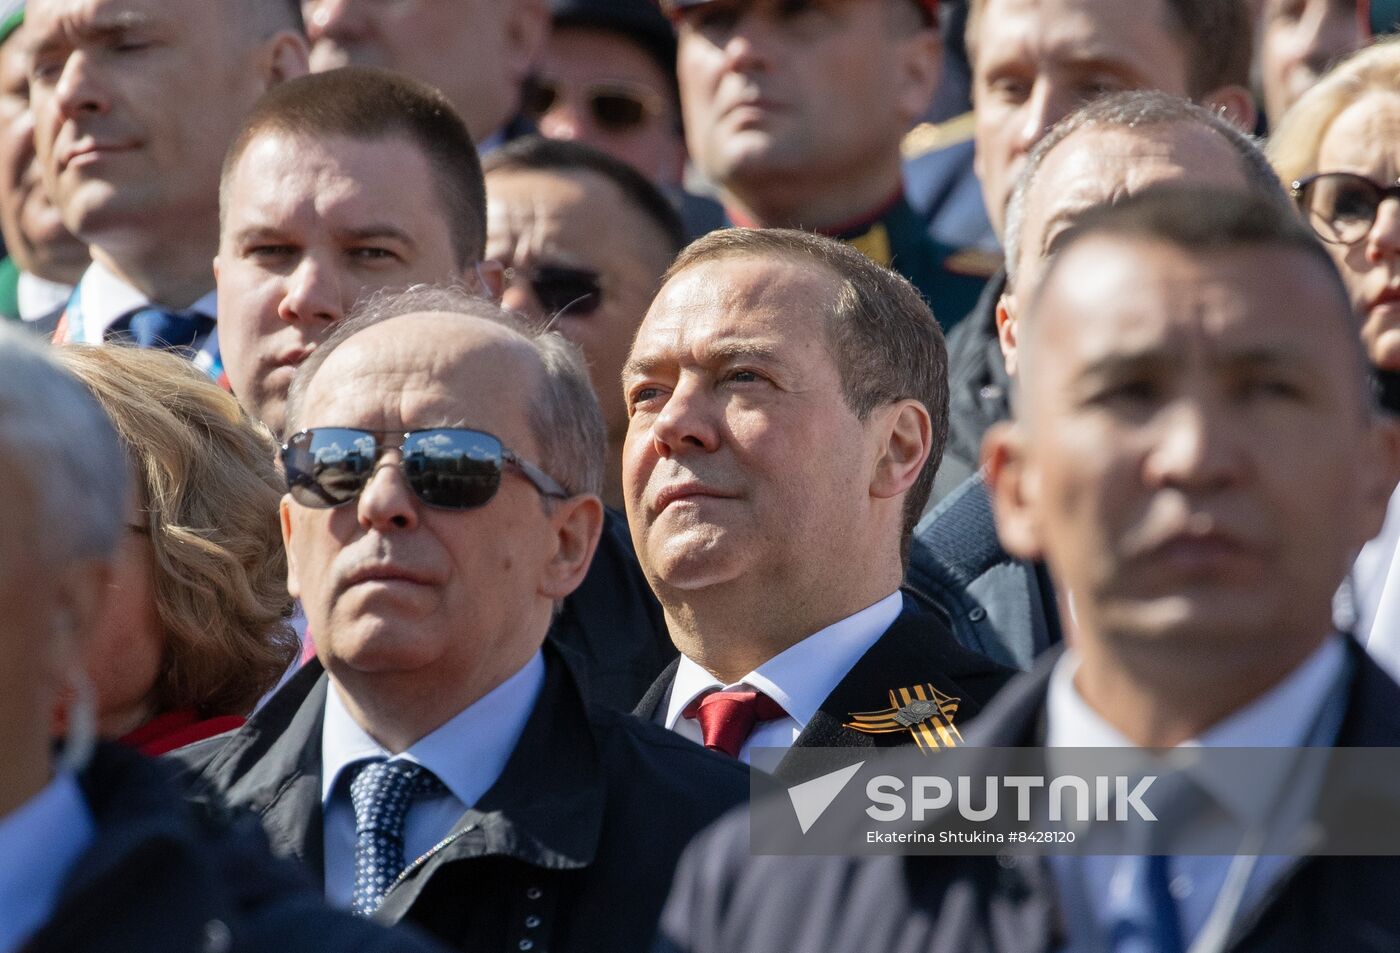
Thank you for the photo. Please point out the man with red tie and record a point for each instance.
(788, 404)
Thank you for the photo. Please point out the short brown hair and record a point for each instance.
(1217, 35)
(207, 480)
(881, 335)
(372, 105)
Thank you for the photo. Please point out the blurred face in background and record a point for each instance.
(33, 230)
(597, 87)
(1298, 41)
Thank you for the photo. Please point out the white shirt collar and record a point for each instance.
(40, 841)
(38, 297)
(802, 676)
(1282, 717)
(468, 753)
(103, 298)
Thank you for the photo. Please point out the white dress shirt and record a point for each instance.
(39, 843)
(800, 678)
(468, 754)
(38, 297)
(101, 298)
(1283, 717)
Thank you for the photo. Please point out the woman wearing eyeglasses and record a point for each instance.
(1338, 150)
(195, 628)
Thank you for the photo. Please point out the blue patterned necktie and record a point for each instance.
(381, 793)
(159, 328)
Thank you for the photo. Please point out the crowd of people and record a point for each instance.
(442, 441)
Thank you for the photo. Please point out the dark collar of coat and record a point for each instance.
(546, 808)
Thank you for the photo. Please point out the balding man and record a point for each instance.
(135, 102)
(437, 763)
(82, 821)
(1114, 147)
(1197, 456)
(1033, 63)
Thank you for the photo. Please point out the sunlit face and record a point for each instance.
(772, 89)
(395, 589)
(122, 91)
(1199, 463)
(578, 220)
(469, 49)
(1298, 41)
(1036, 61)
(1365, 139)
(33, 229)
(742, 455)
(310, 227)
(584, 63)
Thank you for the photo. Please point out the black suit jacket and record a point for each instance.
(725, 901)
(593, 806)
(917, 649)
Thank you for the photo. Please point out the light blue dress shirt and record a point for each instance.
(1283, 717)
(468, 754)
(39, 843)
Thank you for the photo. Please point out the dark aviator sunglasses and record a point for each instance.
(451, 468)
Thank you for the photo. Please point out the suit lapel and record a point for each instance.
(657, 694)
(911, 652)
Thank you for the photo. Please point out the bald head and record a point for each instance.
(401, 345)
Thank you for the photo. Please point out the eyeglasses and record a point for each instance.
(1341, 207)
(579, 291)
(450, 468)
(613, 107)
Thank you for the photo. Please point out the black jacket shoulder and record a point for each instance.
(165, 877)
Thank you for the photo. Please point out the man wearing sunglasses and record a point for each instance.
(585, 240)
(437, 764)
(358, 180)
(796, 111)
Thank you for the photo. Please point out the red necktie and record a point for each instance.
(728, 718)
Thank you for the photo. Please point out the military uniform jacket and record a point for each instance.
(163, 878)
(725, 901)
(917, 649)
(572, 849)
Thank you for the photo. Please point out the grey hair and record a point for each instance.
(1132, 110)
(564, 415)
(62, 449)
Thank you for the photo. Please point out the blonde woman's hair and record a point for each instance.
(207, 482)
(1294, 145)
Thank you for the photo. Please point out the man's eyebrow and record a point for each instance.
(712, 352)
(105, 29)
(366, 232)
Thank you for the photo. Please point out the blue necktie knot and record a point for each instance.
(153, 327)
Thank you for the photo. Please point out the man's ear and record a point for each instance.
(1006, 330)
(284, 56)
(921, 67)
(488, 279)
(908, 441)
(1014, 490)
(284, 512)
(577, 524)
(1236, 104)
(527, 31)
